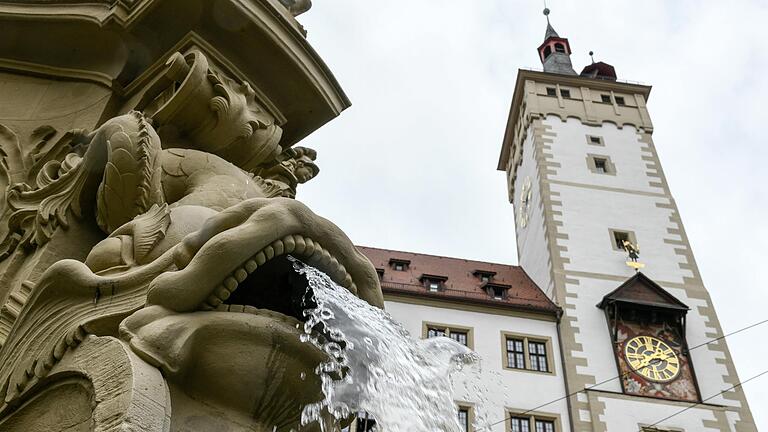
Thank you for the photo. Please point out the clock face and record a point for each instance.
(652, 358)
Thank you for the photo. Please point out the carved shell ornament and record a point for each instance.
(525, 203)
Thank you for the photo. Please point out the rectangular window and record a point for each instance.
(515, 353)
(565, 93)
(365, 423)
(459, 336)
(462, 335)
(435, 332)
(545, 426)
(537, 353)
(595, 140)
(601, 165)
(605, 98)
(533, 423)
(620, 237)
(520, 424)
(528, 353)
(551, 91)
(463, 415)
(620, 101)
(399, 266)
(498, 292)
(433, 286)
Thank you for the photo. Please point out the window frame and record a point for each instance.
(426, 325)
(551, 91)
(548, 347)
(532, 417)
(603, 98)
(612, 236)
(462, 405)
(620, 100)
(565, 93)
(610, 168)
(600, 140)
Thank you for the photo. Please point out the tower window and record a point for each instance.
(595, 140)
(605, 98)
(618, 238)
(601, 165)
(620, 101)
(551, 91)
(547, 52)
(559, 48)
(565, 93)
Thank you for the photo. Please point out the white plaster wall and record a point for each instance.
(505, 388)
(637, 412)
(587, 216)
(581, 300)
(622, 145)
(531, 241)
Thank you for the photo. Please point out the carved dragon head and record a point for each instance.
(209, 298)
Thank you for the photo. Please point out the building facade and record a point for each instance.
(599, 231)
(499, 312)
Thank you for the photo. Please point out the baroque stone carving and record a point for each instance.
(195, 197)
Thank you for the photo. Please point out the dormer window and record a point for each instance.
(433, 283)
(380, 273)
(399, 264)
(485, 276)
(496, 291)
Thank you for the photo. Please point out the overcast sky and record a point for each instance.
(412, 164)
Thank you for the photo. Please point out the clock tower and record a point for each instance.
(599, 231)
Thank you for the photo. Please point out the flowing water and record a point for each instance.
(376, 366)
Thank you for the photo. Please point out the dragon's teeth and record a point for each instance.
(222, 293)
(289, 243)
(240, 274)
(260, 258)
(310, 248)
(279, 247)
(269, 252)
(251, 266)
(301, 244)
(230, 283)
(213, 301)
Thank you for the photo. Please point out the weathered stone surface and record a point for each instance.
(150, 178)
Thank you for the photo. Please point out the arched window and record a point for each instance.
(559, 47)
(547, 51)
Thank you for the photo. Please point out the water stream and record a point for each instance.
(375, 366)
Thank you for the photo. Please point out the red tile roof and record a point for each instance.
(461, 283)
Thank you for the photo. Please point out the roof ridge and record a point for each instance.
(441, 256)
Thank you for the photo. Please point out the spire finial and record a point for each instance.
(591, 55)
(546, 11)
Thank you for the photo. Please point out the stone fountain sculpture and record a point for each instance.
(145, 285)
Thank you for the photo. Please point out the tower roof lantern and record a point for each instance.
(555, 52)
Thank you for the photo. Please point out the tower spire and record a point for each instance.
(555, 52)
